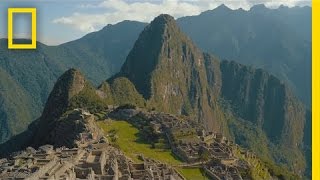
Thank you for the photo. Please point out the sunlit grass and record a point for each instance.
(128, 141)
(192, 173)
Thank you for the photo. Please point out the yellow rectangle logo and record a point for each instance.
(33, 44)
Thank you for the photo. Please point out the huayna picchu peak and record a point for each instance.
(174, 96)
(163, 19)
(154, 40)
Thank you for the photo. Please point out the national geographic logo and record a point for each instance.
(33, 12)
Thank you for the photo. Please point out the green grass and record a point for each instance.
(129, 142)
(192, 173)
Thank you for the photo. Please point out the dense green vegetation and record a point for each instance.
(254, 139)
(88, 98)
(277, 157)
(129, 96)
(13, 106)
(121, 91)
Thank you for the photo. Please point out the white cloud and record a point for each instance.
(83, 22)
(113, 11)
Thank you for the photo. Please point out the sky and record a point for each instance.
(60, 21)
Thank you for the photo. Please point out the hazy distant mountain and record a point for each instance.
(277, 40)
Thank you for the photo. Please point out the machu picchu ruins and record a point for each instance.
(80, 149)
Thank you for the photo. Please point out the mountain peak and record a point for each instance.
(68, 85)
(73, 80)
(71, 72)
(223, 7)
(163, 22)
(163, 19)
(258, 7)
(160, 42)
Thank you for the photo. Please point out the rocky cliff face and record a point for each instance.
(263, 100)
